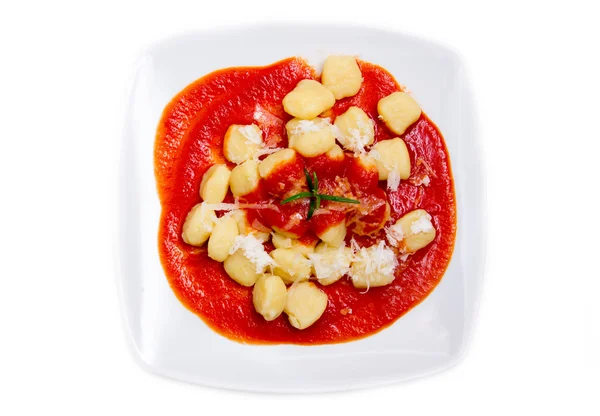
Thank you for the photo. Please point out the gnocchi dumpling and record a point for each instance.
(221, 240)
(245, 228)
(413, 231)
(310, 138)
(335, 153)
(398, 111)
(244, 178)
(330, 263)
(241, 269)
(334, 235)
(291, 266)
(242, 142)
(355, 129)
(305, 304)
(215, 184)
(373, 266)
(308, 99)
(269, 296)
(341, 75)
(391, 156)
(301, 246)
(275, 161)
(198, 225)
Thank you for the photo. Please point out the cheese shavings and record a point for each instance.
(252, 134)
(314, 125)
(422, 225)
(253, 250)
(394, 234)
(372, 266)
(393, 179)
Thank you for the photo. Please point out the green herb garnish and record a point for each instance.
(315, 196)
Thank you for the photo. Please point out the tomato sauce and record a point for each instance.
(189, 140)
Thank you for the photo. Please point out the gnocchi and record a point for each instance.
(222, 238)
(341, 75)
(198, 225)
(286, 233)
(275, 161)
(310, 138)
(291, 266)
(355, 129)
(269, 296)
(398, 111)
(244, 178)
(242, 142)
(215, 184)
(308, 100)
(335, 153)
(245, 228)
(334, 235)
(373, 266)
(413, 231)
(301, 246)
(305, 304)
(330, 263)
(391, 156)
(241, 269)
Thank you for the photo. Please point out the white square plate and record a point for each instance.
(171, 341)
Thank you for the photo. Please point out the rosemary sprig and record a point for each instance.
(315, 196)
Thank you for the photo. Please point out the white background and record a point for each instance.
(64, 67)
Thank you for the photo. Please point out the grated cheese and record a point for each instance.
(358, 139)
(394, 234)
(372, 263)
(251, 134)
(253, 250)
(393, 180)
(422, 225)
(309, 126)
(332, 263)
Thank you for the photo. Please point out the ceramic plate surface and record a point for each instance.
(168, 339)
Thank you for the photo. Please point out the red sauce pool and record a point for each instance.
(189, 140)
